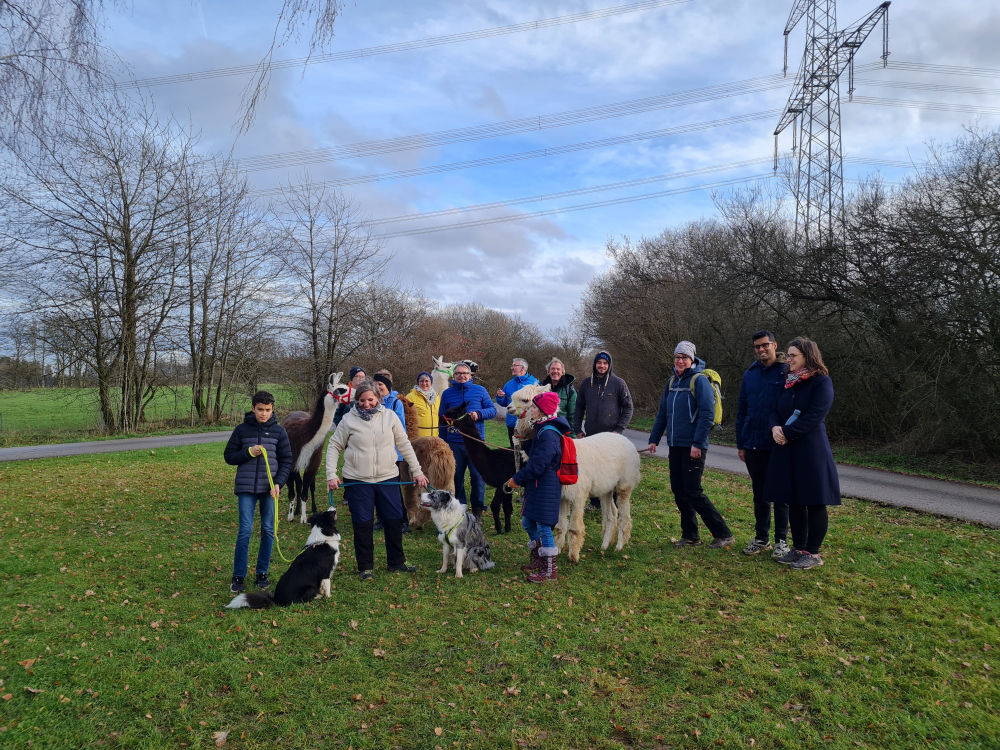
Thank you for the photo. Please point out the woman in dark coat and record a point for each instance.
(542, 490)
(802, 473)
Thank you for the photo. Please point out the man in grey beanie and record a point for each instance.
(686, 413)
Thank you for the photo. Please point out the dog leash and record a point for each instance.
(270, 481)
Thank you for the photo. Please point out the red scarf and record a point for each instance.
(794, 377)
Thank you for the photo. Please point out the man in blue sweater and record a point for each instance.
(686, 413)
(519, 379)
(762, 382)
(480, 407)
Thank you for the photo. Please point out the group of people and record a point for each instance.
(780, 434)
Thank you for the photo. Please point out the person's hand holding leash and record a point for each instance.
(512, 484)
(254, 450)
(333, 483)
(275, 491)
(652, 448)
(420, 481)
(474, 415)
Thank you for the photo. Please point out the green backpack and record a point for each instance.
(716, 382)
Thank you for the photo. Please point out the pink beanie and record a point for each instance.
(548, 402)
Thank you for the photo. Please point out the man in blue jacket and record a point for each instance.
(759, 390)
(480, 407)
(686, 413)
(519, 379)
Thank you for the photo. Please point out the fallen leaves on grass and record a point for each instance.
(33, 691)
(438, 731)
(220, 737)
(27, 663)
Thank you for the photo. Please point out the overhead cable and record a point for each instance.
(386, 49)
(973, 109)
(954, 70)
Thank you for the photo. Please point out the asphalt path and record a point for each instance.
(966, 502)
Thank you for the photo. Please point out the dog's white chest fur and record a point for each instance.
(448, 519)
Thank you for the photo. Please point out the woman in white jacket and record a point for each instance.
(368, 436)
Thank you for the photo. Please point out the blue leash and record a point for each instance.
(329, 494)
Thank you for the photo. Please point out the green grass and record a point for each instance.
(115, 578)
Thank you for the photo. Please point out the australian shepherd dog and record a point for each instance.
(460, 534)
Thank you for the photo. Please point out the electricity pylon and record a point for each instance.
(814, 110)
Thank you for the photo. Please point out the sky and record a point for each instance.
(538, 266)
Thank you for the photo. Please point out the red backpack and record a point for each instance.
(569, 470)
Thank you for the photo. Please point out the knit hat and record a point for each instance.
(421, 374)
(383, 377)
(356, 370)
(548, 402)
(604, 356)
(686, 348)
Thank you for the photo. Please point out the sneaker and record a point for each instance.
(378, 525)
(721, 542)
(682, 542)
(262, 581)
(781, 549)
(791, 556)
(756, 547)
(237, 586)
(807, 561)
(403, 568)
(366, 575)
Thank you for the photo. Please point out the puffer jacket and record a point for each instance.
(539, 477)
(476, 399)
(427, 413)
(251, 474)
(687, 419)
(603, 402)
(758, 393)
(567, 395)
(511, 387)
(370, 447)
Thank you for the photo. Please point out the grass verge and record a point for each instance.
(114, 631)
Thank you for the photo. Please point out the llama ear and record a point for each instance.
(334, 380)
(546, 388)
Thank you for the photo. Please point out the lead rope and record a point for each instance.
(270, 481)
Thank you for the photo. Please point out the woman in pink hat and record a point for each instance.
(542, 490)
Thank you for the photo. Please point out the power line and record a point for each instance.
(954, 70)
(936, 87)
(973, 109)
(386, 49)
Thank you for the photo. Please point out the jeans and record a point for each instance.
(363, 499)
(478, 485)
(809, 525)
(538, 532)
(247, 502)
(757, 463)
(691, 500)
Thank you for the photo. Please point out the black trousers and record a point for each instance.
(363, 499)
(809, 526)
(691, 500)
(757, 463)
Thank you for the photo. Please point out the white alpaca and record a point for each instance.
(441, 374)
(608, 464)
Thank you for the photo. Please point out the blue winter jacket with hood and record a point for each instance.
(476, 398)
(758, 394)
(511, 387)
(539, 477)
(685, 418)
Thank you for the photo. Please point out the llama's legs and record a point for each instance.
(563, 524)
(311, 488)
(577, 530)
(624, 517)
(291, 502)
(609, 520)
(508, 511)
(495, 508)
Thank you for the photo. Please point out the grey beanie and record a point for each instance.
(685, 347)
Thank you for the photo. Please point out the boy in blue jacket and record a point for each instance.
(686, 418)
(260, 428)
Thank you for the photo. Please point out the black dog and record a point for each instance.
(308, 577)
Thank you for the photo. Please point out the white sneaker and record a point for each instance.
(781, 549)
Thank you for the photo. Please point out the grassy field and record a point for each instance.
(114, 631)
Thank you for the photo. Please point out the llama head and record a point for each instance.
(520, 400)
(455, 413)
(341, 392)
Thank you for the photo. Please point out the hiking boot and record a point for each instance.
(406, 525)
(262, 581)
(546, 571)
(683, 542)
(807, 561)
(534, 561)
(781, 549)
(721, 542)
(403, 567)
(791, 556)
(366, 575)
(506, 525)
(378, 525)
(756, 547)
(237, 586)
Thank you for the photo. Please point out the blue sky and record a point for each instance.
(538, 266)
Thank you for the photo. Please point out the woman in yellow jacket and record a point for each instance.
(424, 398)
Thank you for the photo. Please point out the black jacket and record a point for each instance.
(251, 474)
(603, 403)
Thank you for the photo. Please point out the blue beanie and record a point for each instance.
(421, 374)
(356, 370)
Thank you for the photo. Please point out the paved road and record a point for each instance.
(953, 499)
(111, 446)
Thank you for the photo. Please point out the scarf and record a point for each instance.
(367, 414)
(792, 378)
(430, 394)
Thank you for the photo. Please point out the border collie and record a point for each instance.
(308, 577)
(460, 534)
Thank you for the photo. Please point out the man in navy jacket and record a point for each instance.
(480, 407)
(686, 415)
(759, 390)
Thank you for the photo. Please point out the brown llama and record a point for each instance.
(436, 460)
(307, 432)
